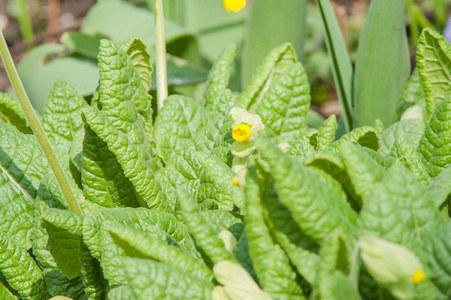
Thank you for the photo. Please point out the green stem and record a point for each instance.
(160, 47)
(36, 126)
(413, 24)
(25, 21)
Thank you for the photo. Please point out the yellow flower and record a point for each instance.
(234, 5)
(241, 132)
(418, 277)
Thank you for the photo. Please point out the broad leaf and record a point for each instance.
(93, 280)
(364, 136)
(440, 187)
(59, 285)
(140, 58)
(327, 131)
(412, 129)
(11, 113)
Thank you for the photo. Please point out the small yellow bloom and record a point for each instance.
(235, 182)
(418, 277)
(234, 5)
(241, 132)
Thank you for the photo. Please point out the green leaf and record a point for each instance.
(119, 292)
(378, 87)
(20, 270)
(22, 166)
(327, 131)
(435, 142)
(102, 176)
(305, 145)
(412, 129)
(277, 62)
(82, 43)
(93, 280)
(336, 286)
(440, 187)
(334, 255)
(364, 136)
(133, 158)
(102, 247)
(152, 280)
(413, 93)
(203, 234)
(221, 220)
(262, 36)
(11, 113)
(434, 58)
(140, 58)
(218, 78)
(62, 115)
(362, 169)
(302, 193)
(141, 245)
(403, 151)
(58, 284)
(6, 291)
(177, 123)
(284, 106)
(399, 210)
(341, 63)
(64, 229)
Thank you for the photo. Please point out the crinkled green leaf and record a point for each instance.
(284, 106)
(334, 166)
(62, 114)
(119, 292)
(40, 238)
(364, 136)
(58, 284)
(218, 78)
(93, 280)
(275, 274)
(140, 58)
(305, 145)
(440, 187)
(336, 286)
(362, 169)
(278, 61)
(399, 210)
(405, 153)
(103, 178)
(11, 113)
(218, 186)
(133, 159)
(64, 229)
(299, 247)
(434, 65)
(153, 280)
(101, 245)
(179, 120)
(327, 131)
(412, 129)
(221, 220)
(313, 205)
(141, 245)
(203, 234)
(435, 143)
(20, 270)
(413, 93)
(334, 255)
(22, 166)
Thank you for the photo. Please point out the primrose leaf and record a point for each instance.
(203, 234)
(64, 229)
(133, 158)
(22, 166)
(334, 256)
(218, 78)
(119, 292)
(301, 192)
(412, 129)
(20, 270)
(364, 136)
(62, 114)
(102, 247)
(362, 169)
(141, 245)
(274, 271)
(413, 93)
(327, 131)
(398, 210)
(11, 113)
(221, 220)
(336, 286)
(58, 284)
(140, 58)
(103, 178)
(284, 106)
(177, 124)
(403, 151)
(93, 280)
(6, 291)
(434, 65)
(153, 280)
(305, 145)
(436, 142)
(440, 187)
(277, 62)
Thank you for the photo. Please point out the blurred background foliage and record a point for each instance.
(59, 38)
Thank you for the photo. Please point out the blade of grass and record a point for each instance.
(383, 64)
(339, 56)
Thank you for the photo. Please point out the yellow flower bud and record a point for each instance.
(234, 5)
(241, 132)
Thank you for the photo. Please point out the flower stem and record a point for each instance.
(160, 47)
(36, 126)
